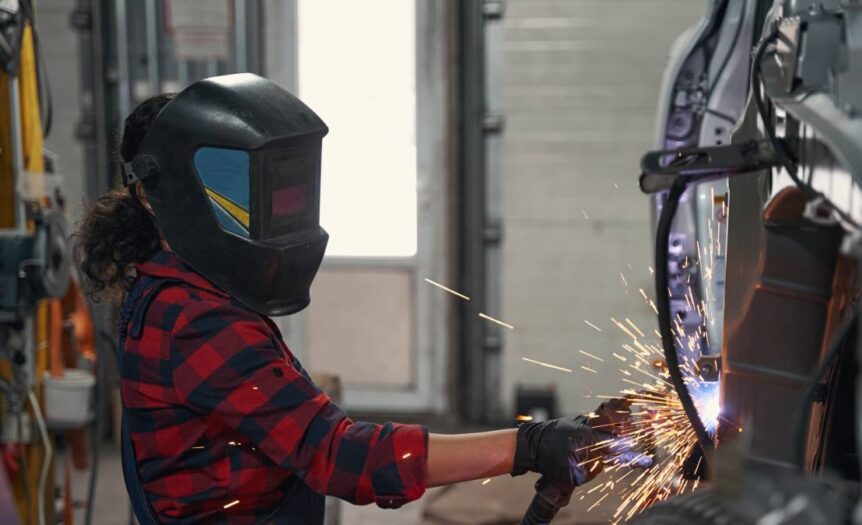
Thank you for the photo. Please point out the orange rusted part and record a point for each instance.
(788, 205)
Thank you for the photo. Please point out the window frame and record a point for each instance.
(435, 162)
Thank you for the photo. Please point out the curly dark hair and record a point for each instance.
(116, 231)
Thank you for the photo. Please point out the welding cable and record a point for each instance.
(662, 244)
(783, 153)
(838, 343)
(49, 454)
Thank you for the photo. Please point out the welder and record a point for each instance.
(216, 229)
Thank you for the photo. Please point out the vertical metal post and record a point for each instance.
(183, 73)
(153, 48)
(471, 205)
(17, 152)
(124, 100)
(240, 36)
(279, 50)
(492, 127)
(480, 214)
(87, 20)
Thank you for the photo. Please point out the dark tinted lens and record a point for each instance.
(290, 196)
(289, 200)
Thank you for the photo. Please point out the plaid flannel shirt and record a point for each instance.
(225, 422)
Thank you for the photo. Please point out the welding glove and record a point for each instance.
(565, 450)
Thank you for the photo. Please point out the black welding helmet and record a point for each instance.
(234, 169)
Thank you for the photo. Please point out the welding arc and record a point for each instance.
(662, 244)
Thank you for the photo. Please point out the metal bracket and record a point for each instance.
(492, 233)
(661, 168)
(709, 367)
(493, 123)
(493, 9)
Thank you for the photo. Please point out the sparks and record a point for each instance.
(599, 359)
(407, 455)
(231, 504)
(486, 481)
(540, 363)
(591, 325)
(497, 321)
(447, 289)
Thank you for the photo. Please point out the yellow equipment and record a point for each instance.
(42, 318)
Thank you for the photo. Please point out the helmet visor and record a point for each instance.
(267, 195)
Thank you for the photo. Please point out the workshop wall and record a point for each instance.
(60, 48)
(581, 82)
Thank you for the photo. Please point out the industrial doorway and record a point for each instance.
(374, 321)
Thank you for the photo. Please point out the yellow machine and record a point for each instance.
(44, 323)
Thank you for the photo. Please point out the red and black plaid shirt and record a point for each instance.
(225, 422)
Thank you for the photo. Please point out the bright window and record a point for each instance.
(357, 70)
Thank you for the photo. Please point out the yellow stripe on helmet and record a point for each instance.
(233, 209)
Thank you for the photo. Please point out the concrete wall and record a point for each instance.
(580, 90)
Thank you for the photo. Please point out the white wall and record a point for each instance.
(580, 91)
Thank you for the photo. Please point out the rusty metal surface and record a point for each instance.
(779, 287)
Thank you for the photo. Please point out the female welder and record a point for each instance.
(216, 229)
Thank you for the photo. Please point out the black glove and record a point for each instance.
(563, 450)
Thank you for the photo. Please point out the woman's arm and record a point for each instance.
(566, 450)
(465, 457)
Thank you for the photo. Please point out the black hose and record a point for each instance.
(540, 512)
(847, 329)
(664, 313)
(549, 499)
(783, 153)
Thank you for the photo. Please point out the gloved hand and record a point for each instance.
(574, 450)
(565, 450)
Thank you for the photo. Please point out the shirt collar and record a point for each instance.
(167, 265)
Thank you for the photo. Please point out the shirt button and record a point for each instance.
(277, 372)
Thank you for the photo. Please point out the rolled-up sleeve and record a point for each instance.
(227, 364)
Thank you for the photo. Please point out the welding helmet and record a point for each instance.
(231, 167)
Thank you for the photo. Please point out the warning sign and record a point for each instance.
(201, 28)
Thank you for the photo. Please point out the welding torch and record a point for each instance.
(549, 499)
(609, 425)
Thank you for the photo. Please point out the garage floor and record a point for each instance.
(500, 501)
